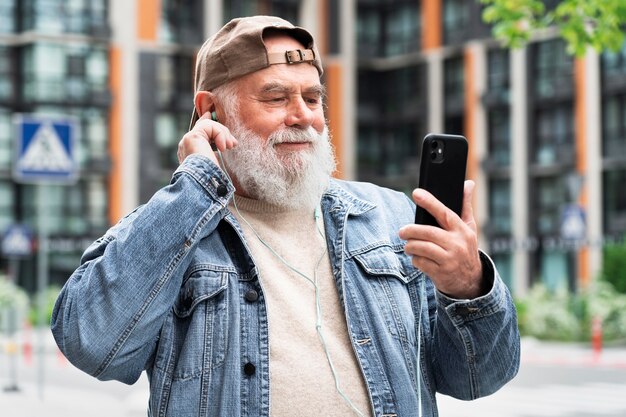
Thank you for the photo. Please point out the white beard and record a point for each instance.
(292, 180)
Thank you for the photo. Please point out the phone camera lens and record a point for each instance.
(434, 144)
(433, 155)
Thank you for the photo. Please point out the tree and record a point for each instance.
(581, 23)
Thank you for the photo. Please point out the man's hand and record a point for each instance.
(448, 255)
(198, 140)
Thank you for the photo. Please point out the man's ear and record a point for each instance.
(204, 102)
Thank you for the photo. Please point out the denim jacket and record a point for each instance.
(167, 290)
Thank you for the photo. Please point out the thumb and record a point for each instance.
(467, 214)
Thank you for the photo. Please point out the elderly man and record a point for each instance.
(254, 284)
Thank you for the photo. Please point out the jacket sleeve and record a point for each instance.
(108, 315)
(480, 338)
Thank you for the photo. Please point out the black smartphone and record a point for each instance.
(442, 173)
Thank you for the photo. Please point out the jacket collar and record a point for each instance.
(339, 197)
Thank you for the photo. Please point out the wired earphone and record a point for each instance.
(318, 308)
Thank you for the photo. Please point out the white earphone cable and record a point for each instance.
(318, 306)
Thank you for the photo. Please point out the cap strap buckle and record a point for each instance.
(292, 57)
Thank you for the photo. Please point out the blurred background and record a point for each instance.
(544, 113)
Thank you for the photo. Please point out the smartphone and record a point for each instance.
(442, 173)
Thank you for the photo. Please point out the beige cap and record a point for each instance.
(238, 49)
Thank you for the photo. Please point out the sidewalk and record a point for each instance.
(571, 354)
(68, 392)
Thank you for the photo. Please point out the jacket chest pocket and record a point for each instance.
(194, 338)
(388, 272)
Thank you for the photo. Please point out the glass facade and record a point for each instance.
(552, 159)
(454, 95)
(388, 28)
(391, 123)
(614, 202)
(87, 17)
(181, 21)
(7, 16)
(497, 162)
(66, 73)
(166, 91)
(456, 19)
(287, 9)
(7, 74)
(63, 68)
(613, 71)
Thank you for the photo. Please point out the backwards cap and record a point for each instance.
(238, 49)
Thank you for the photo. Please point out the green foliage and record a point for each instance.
(12, 296)
(581, 23)
(13, 304)
(50, 296)
(614, 266)
(568, 317)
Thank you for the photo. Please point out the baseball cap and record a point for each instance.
(238, 49)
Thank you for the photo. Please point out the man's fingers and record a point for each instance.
(467, 215)
(444, 216)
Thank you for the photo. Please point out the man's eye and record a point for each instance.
(313, 100)
(276, 99)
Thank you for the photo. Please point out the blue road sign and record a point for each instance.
(17, 241)
(573, 222)
(45, 149)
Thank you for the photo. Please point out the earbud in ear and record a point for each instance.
(214, 116)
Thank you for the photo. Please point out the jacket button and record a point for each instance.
(465, 310)
(222, 190)
(251, 296)
(249, 369)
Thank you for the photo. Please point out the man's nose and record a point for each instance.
(299, 114)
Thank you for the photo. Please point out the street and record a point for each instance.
(555, 380)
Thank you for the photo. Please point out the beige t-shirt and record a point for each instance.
(301, 381)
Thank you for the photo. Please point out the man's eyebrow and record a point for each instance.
(316, 89)
(281, 88)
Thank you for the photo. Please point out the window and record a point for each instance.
(6, 204)
(498, 72)
(614, 202)
(499, 136)
(552, 70)
(174, 80)
(554, 135)
(500, 207)
(391, 124)
(388, 28)
(169, 128)
(456, 19)
(504, 263)
(6, 74)
(286, 9)
(551, 196)
(454, 94)
(402, 29)
(6, 133)
(614, 126)
(614, 63)
(7, 16)
(181, 21)
(54, 72)
(87, 17)
(77, 210)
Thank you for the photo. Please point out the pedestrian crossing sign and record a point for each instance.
(45, 149)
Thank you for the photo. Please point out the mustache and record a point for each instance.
(293, 135)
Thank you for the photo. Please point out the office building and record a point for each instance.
(547, 131)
